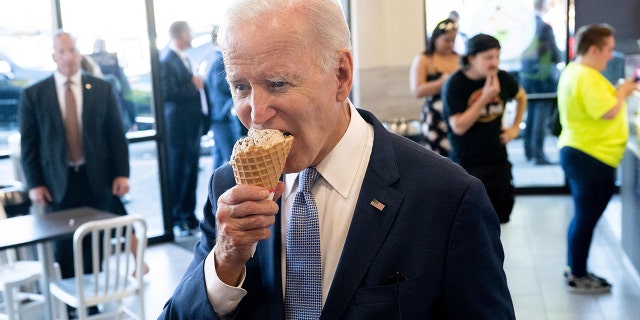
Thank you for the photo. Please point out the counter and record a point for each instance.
(630, 196)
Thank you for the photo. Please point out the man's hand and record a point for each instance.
(40, 195)
(244, 216)
(120, 186)
(491, 86)
(197, 82)
(509, 134)
(626, 88)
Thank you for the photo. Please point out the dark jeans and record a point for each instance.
(538, 114)
(592, 185)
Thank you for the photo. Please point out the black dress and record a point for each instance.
(434, 126)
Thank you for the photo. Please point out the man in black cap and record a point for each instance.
(474, 101)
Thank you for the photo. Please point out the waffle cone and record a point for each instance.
(261, 165)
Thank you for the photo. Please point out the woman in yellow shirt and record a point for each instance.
(594, 133)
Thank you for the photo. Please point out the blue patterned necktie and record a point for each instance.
(303, 290)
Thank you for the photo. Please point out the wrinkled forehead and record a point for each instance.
(274, 28)
(273, 40)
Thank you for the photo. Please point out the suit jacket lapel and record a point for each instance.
(269, 258)
(370, 225)
(180, 63)
(88, 101)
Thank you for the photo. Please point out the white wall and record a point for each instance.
(387, 34)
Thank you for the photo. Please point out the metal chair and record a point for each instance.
(15, 276)
(110, 280)
(19, 285)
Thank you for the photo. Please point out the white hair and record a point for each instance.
(326, 24)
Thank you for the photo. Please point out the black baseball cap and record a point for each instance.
(481, 42)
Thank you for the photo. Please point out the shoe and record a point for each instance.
(93, 310)
(181, 230)
(193, 223)
(589, 284)
(542, 161)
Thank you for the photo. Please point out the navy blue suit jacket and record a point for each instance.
(182, 104)
(433, 252)
(218, 90)
(43, 141)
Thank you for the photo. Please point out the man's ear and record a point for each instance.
(344, 74)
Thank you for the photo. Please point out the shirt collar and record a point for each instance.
(181, 53)
(340, 166)
(60, 79)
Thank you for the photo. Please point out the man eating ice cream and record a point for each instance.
(389, 229)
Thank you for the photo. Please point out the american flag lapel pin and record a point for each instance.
(377, 204)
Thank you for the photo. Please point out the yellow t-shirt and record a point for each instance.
(584, 96)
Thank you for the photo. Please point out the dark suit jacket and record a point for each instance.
(182, 106)
(220, 98)
(433, 252)
(43, 142)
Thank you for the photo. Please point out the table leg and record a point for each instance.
(44, 252)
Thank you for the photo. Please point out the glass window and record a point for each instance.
(25, 56)
(201, 21)
(516, 24)
(113, 36)
(201, 17)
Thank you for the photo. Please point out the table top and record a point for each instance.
(31, 229)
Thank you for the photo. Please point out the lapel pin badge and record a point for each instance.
(377, 204)
(87, 86)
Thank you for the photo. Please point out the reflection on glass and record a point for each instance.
(513, 22)
(201, 16)
(144, 197)
(114, 35)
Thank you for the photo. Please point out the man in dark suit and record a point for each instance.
(182, 92)
(74, 159)
(403, 233)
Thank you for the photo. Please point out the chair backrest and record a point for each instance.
(7, 258)
(113, 253)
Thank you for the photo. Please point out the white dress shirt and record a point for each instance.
(76, 88)
(336, 194)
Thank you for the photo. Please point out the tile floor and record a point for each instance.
(535, 249)
(534, 243)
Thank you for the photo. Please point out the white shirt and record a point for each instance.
(336, 194)
(76, 88)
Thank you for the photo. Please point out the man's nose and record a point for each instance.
(261, 108)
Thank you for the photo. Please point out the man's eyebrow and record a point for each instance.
(282, 76)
